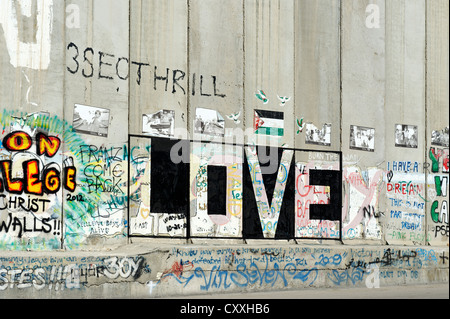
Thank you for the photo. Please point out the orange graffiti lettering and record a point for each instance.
(13, 186)
(69, 177)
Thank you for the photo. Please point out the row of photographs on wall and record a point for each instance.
(95, 121)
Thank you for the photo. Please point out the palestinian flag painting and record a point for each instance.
(269, 123)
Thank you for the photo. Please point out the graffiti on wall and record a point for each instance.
(234, 268)
(219, 269)
(307, 195)
(438, 192)
(216, 190)
(232, 191)
(100, 191)
(88, 63)
(56, 189)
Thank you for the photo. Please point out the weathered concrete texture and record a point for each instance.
(140, 271)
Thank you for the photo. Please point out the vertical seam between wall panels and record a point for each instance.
(91, 44)
(426, 120)
(128, 187)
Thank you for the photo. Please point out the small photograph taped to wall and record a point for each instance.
(161, 123)
(440, 138)
(91, 120)
(209, 122)
(406, 136)
(316, 136)
(362, 138)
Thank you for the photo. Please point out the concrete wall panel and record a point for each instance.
(216, 67)
(31, 99)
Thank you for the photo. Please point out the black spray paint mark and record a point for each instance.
(170, 189)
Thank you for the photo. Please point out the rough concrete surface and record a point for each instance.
(427, 291)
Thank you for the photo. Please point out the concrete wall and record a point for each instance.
(341, 68)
